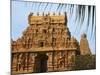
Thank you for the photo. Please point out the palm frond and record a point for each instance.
(89, 15)
(83, 14)
(46, 6)
(93, 17)
(58, 6)
(79, 18)
(71, 9)
(39, 6)
(32, 6)
(60, 9)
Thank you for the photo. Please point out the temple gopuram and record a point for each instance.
(46, 45)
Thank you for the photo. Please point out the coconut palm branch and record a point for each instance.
(39, 6)
(93, 19)
(46, 6)
(58, 6)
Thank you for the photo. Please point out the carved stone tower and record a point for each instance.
(84, 45)
(46, 45)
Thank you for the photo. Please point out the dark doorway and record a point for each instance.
(41, 44)
(40, 63)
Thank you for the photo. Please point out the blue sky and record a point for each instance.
(21, 10)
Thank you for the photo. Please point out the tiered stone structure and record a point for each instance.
(84, 45)
(46, 45)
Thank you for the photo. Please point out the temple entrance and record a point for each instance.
(40, 63)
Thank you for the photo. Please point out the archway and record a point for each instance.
(40, 63)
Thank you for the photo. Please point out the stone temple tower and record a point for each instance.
(84, 45)
(46, 45)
